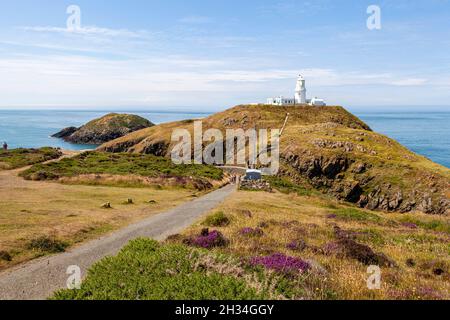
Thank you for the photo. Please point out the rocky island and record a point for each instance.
(104, 129)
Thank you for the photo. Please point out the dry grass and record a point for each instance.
(69, 213)
(286, 218)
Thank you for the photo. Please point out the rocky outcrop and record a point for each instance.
(64, 133)
(347, 179)
(107, 128)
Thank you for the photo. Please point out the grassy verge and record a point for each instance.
(18, 158)
(284, 185)
(146, 270)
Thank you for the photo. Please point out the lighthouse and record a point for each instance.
(300, 97)
(300, 90)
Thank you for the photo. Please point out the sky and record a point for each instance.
(207, 55)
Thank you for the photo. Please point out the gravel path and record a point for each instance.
(38, 279)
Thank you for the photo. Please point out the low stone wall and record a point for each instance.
(257, 185)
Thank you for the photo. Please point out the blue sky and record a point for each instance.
(208, 55)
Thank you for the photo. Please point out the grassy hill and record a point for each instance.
(326, 149)
(125, 169)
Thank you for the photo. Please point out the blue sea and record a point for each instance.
(424, 132)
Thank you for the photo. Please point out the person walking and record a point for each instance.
(5, 146)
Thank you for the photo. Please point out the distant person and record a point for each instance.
(5, 146)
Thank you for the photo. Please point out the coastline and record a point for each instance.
(423, 130)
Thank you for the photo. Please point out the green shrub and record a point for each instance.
(284, 185)
(48, 245)
(17, 158)
(356, 215)
(218, 219)
(435, 225)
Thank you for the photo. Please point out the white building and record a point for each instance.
(317, 102)
(299, 98)
(280, 101)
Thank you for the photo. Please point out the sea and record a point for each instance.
(423, 130)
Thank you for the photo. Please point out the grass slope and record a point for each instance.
(18, 158)
(121, 164)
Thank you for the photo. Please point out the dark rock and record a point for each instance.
(204, 232)
(438, 271)
(158, 148)
(359, 168)
(410, 262)
(106, 205)
(263, 225)
(5, 256)
(64, 133)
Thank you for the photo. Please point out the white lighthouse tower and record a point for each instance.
(300, 90)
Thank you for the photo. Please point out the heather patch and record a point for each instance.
(346, 246)
(251, 232)
(281, 263)
(207, 240)
(297, 245)
(409, 225)
(146, 270)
